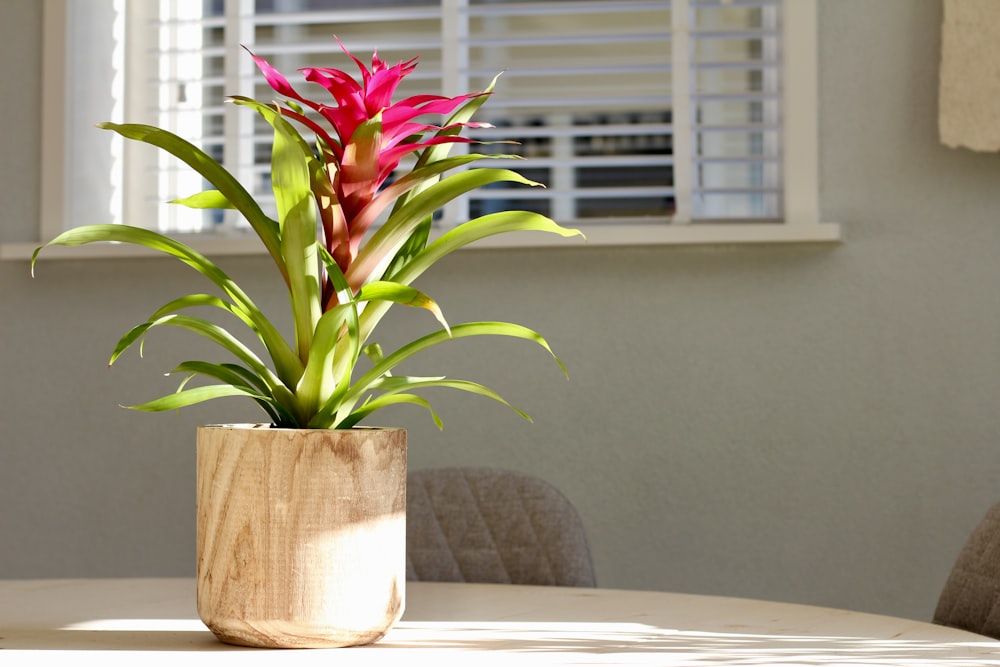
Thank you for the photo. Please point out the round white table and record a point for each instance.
(153, 621)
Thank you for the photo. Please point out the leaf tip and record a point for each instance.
(34, 256)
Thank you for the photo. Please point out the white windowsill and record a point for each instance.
(598, 235)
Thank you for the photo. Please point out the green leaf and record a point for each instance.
(301, 254)
(336, 413)
(319, 381)
(240, 377)
(480, 228)
(391, 384)
(394, 384)
(463, 235)
(206, 199)
(385, 401)
(131, 336)
(215, 174)
(384, 290)
(182, 399)
(233, 374)
(418, 178)
(292, 166)
(393, 234)
(437, 153)
(374, 352)
(196, 300)
(343, 318)
(464, 330)
(219, 336)
(336, 346)
(286, 362)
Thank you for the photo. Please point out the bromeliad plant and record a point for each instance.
(340, 282)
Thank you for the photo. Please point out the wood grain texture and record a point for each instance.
(301, 534)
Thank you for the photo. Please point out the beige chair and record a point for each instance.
(970, 599)
(493, 526)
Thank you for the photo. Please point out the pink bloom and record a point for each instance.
(367, 137)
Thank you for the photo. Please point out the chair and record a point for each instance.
(970, 599)
(493, 526)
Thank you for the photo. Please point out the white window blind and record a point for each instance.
(609, 101)
(647, 120)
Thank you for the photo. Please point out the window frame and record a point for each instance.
(801, 222)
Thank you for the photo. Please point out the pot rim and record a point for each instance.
(263, 426)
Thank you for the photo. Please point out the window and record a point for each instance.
(648, 120)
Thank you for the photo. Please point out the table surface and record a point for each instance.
(153, 621)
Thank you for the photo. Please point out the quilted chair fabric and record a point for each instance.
(970, 599)
(487, 525)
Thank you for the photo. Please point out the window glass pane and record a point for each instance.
(584, 83)
(736, 86)
(586, 93)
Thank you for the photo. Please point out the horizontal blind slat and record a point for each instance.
(563, 8)
(565, 39)
(560, 92)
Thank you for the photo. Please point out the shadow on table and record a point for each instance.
(456, 639)
(62, 639)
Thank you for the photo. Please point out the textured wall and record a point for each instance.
(815, 424)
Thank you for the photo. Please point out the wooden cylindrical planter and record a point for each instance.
(301, 534)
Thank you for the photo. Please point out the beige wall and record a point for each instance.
(816, 424)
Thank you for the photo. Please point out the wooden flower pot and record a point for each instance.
(301, 534)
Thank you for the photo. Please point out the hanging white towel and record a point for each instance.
(969, 106)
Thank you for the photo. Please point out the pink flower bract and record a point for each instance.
(367, 136)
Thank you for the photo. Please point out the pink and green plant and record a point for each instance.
(342, 273)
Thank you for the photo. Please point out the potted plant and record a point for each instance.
(301, 520)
